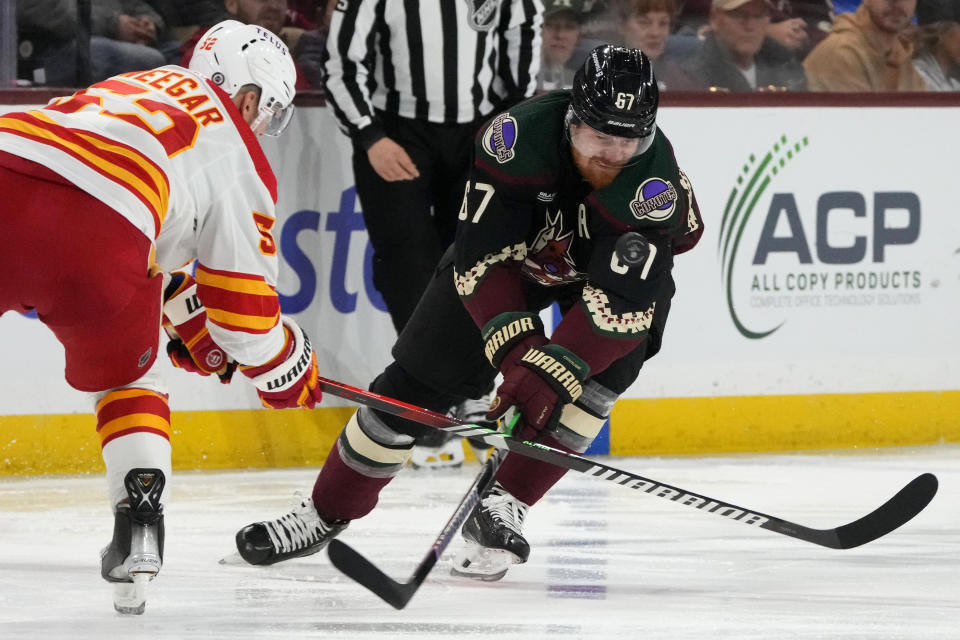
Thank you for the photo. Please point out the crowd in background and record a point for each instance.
(129, 35)
(766, 45)
(695, 45)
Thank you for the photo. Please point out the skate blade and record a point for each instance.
(234, 560)
(482, 563)
(130, 598)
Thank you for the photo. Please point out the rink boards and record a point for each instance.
(818, 311)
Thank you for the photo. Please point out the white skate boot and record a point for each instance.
(492, 537)
(134, 556)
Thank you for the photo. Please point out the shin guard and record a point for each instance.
(367, 456)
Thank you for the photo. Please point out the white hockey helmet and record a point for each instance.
(233, 54)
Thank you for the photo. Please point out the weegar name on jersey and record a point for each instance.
(184, 88)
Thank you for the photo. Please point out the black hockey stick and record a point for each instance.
(349, 561)
(896, 511)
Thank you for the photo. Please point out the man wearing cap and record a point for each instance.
(737, 55)
(867, 51)
(561, 33)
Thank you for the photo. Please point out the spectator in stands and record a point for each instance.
(693, 18)
(737, 55)
(937, 54)
(788, 30)
(183, 18)
(645, 25)
(123, 37)
(561, 32)
(311, 50)
(269, 14)
(309, 14)
(867, 51)
(798, 25)
(46, 32)
(600, 18)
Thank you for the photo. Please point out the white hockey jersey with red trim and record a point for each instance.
(170, 152)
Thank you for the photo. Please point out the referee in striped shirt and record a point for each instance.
(410, 82)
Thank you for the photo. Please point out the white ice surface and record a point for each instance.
(606, 562)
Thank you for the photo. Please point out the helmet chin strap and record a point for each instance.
(259, 120)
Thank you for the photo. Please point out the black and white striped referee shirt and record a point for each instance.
(442, 61)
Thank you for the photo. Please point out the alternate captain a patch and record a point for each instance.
(500, 138)
(655, 200)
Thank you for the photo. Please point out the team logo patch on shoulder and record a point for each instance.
(655, 200)
(482, 14)
(500, 138)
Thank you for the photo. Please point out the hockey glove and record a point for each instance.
(545, 379)
(290, 379)
(185, 320)
(509, 335)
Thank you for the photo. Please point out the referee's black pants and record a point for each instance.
(412, 222)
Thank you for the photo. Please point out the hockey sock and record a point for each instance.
(340, 493)
(528, 479)
(367, 456)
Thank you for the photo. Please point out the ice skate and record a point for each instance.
(492, 537)
(302, 532)
(135, 554)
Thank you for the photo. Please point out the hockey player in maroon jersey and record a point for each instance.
(106, 193)
(556, 182)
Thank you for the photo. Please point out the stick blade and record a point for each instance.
(894, 513)
(353, 565)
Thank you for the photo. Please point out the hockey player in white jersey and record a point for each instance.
(107, 193)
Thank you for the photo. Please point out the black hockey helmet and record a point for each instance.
(615, 92)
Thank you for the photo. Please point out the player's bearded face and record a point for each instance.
(600, 157)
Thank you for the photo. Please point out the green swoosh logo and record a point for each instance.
(754, 178)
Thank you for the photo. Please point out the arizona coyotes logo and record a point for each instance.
(656, 200)
(482, 14)
(548, 260)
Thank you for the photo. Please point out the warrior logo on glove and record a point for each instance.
(561, 372)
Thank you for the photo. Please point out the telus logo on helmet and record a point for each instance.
(272, 39)
(235, 54)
